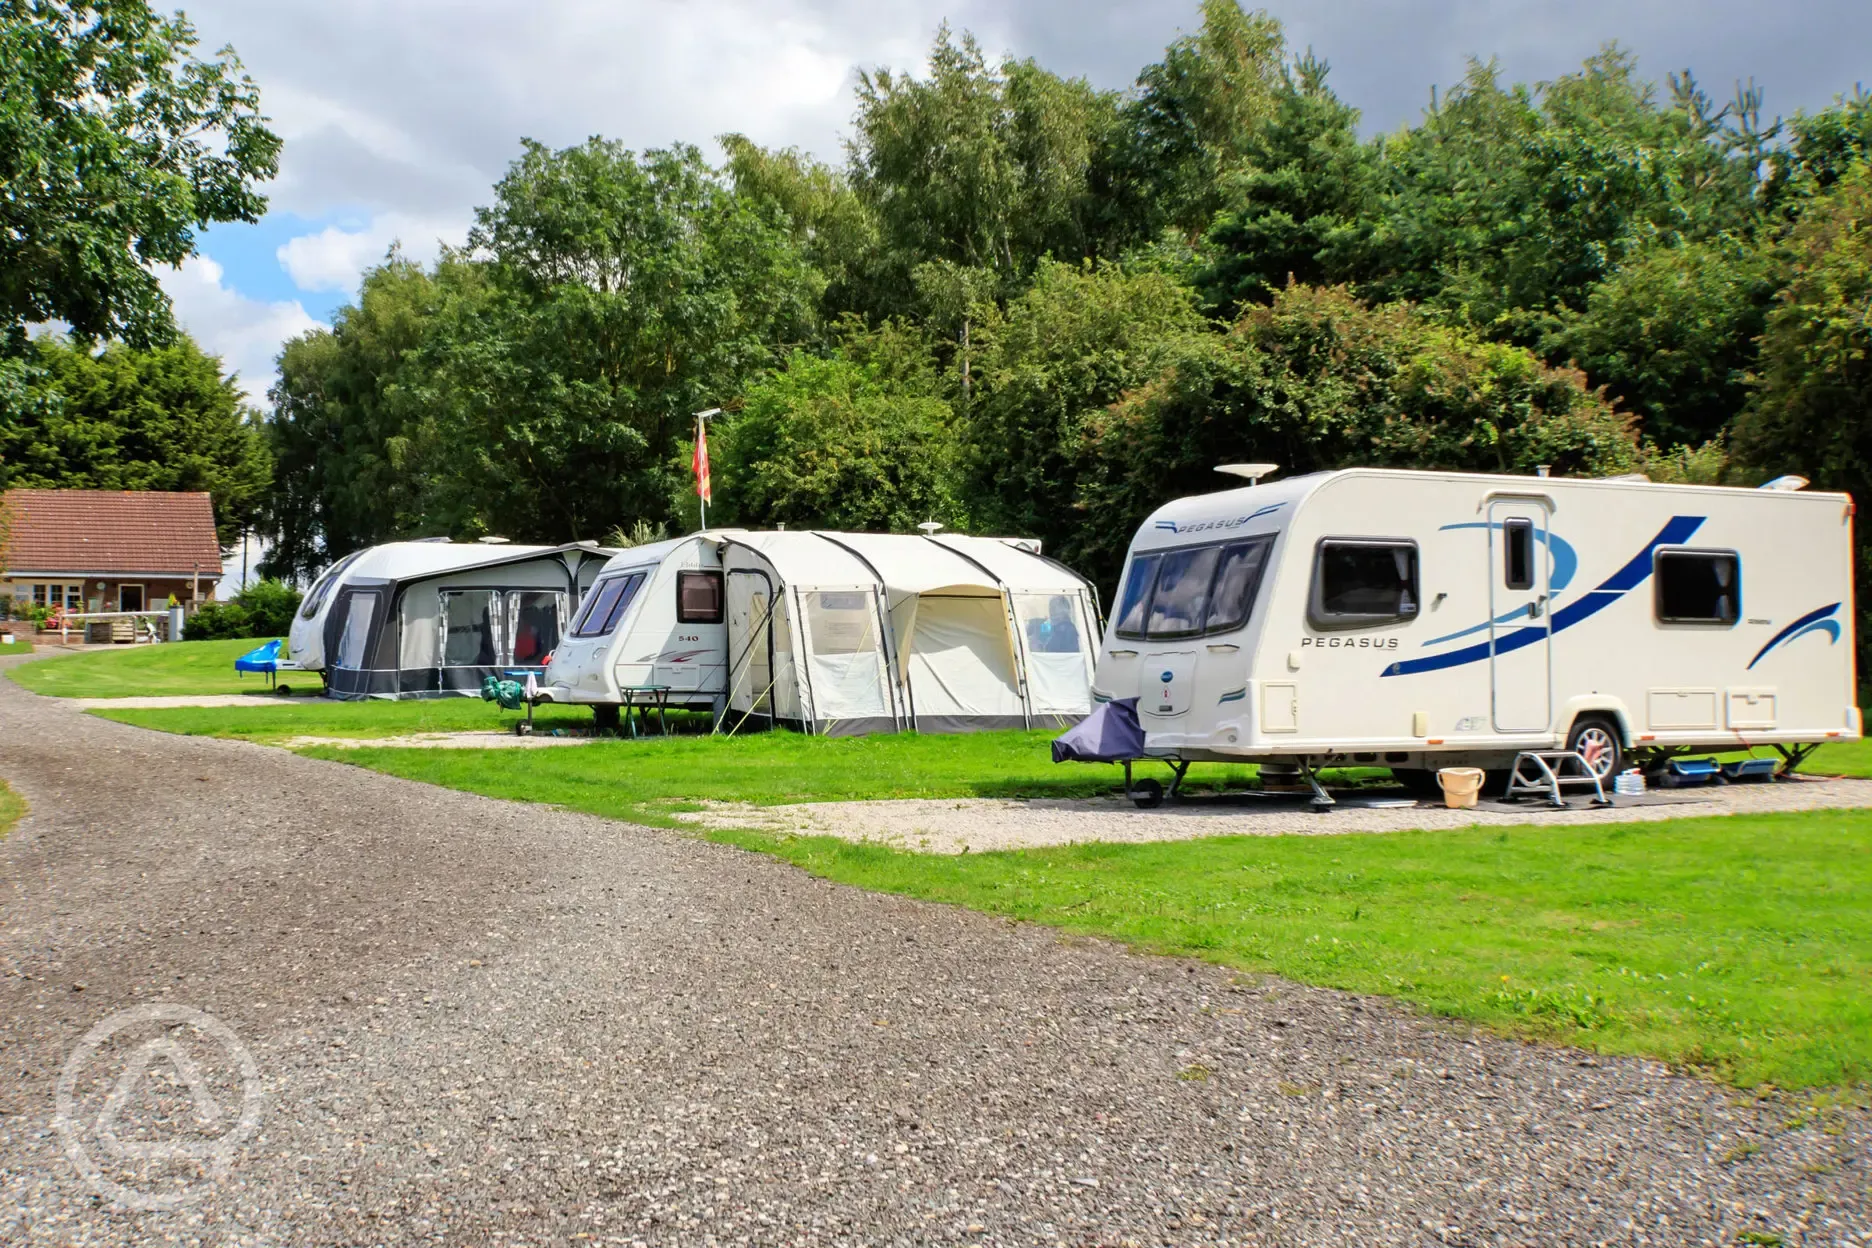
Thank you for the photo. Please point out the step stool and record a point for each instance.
(1539, 772)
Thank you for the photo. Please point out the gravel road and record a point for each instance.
(474, 1022)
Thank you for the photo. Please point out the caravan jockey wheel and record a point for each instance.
(1145, 794)
(1596, 739)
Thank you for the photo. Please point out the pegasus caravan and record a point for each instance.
(433, 619)
(838, 633)
(1427, 619)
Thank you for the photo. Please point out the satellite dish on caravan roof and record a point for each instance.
(1789, 482)
(1254, 472)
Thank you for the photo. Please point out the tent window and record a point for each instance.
(699, 597)
(535, 626)
(1049, 622)
(1518, 553)
(1181, 602)
(1237, 581)
(1361, 584)
(840, 623)
(358, 609)
(1698, 586)
(469, 642)
(1136, 596)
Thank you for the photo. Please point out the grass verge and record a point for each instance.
(270, 722)
(182, 668)
(12, 809)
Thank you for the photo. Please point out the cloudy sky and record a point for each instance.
(398, 115)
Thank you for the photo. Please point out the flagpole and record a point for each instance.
(702, 445)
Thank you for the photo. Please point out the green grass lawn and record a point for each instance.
(185, 667)
(12, 807)
(275, 720)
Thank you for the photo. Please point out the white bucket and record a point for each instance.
(1460, 786)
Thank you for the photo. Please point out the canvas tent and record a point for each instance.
(422, 619)
(848, 633)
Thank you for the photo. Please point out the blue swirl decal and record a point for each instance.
(1637, 571)
(1564, 564)
(1819, 620)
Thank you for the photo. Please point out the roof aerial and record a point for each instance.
(1254, 472)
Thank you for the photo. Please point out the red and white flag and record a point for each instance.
(699, 462)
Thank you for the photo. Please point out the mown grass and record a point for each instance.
(184, 667)
(12, 809)
(645, 780)
(1741, 945)
(271, 722)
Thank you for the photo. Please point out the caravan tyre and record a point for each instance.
(608, 717)
(1597, 739)
(1419, 781)
(1145, 794)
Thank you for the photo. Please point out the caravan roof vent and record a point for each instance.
(1637, 478)
(492, 541)
(1254, 472)
(1789, 482)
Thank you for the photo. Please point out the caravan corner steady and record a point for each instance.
(1417, 620)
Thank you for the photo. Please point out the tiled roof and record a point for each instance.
(101, 531)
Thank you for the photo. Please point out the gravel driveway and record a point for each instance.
(474, 1022)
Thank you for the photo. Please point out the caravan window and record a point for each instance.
(357, 608)
(1362, 584)
(606, 604)
(1136, 596)
(841, 623)
(1237, 580)
(699, 597)
(1181, 602)
(1698, 586)
(1518, 553)
(316, 598)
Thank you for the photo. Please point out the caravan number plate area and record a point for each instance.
(1164, 682)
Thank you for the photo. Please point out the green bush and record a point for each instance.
(263, 609)
(218, 621)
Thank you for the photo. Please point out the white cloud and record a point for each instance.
(333, 258)
(245, 333)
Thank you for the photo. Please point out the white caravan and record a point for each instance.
(1426, 619)
(433, 618)
(838, 633)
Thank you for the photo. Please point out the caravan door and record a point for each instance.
(1520, 616)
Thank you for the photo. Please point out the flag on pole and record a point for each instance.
(700, 462)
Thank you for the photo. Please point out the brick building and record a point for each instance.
(107, 550)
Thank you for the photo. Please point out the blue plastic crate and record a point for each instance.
(1751, 769)
(1681, 773)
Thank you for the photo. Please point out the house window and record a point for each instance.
(1698, 586)
(74, 597)
(1363, 584)
(39, 595)
(699, 597)
(1518, 553)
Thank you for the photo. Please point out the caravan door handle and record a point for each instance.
(1535, 608)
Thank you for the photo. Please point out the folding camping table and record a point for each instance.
(524, 729)
(656, 696)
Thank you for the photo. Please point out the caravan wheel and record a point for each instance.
(1146, 794)
(1596, 739)
(608, 717)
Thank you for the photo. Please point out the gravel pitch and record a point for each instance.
(978, 825)
(476, 1022)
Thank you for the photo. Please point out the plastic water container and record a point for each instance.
(1460, 786)
(1629, 783)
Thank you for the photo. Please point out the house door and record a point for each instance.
(1520, 617)
(129, 597)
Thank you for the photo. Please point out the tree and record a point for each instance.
(978, 167)
(1809, 412)
(859, 440)
(1192, 119)
(355, 419)
(1071, 345)
(1317, 380)
(115, 146)
(1300, 207)
(131, 419)
(834, 230)
(625, 293)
